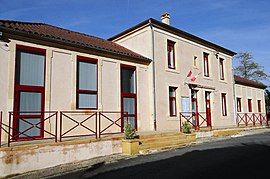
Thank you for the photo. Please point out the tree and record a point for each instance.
(248, 68)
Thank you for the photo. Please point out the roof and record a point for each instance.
(50, 32)
(247, 82)
(175, 31)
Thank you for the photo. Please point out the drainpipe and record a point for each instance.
(154, 76)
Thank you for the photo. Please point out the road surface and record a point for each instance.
(244, 157)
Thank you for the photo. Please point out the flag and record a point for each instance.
(191, 76)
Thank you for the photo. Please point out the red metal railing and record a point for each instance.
(115, 122)
(80, 119)
(44, 126)
(195, 119)
(252, 119)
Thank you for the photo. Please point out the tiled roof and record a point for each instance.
(247, 82)
(46, 31)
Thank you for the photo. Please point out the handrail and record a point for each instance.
(251, 118)
(196, 119)
(67, 115)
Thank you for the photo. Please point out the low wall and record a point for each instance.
(21, 159)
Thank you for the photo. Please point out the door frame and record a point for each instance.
(27, 88)
(208, 110)
(128, 95)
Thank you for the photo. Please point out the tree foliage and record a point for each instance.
(248, 68)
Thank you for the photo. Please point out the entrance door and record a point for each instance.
(194, 107)
(29, 93)
(208, 108)
(128, 95)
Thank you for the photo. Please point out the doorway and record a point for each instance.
(208, 108)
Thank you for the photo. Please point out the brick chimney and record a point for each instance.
(165, 18)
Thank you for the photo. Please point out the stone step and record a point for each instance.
(163, 138)
(158, 135)
(162, 144)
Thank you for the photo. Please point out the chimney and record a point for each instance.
(165, 18)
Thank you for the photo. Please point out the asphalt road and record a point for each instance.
(244, 157)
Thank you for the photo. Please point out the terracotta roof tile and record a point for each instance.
(247, 82)
(68, 36)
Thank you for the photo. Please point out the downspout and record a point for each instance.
(234, 102)
(154, 77)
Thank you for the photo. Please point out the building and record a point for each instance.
(205, 97)
(56, 83)
(250, 102)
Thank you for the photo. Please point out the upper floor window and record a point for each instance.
(238, 104)
(195, 61)
(171, 54)
(206, 64)
(221, 68)
(172, 100)
(259, 106)
(224, 104)
(249, 105)
(86, 83)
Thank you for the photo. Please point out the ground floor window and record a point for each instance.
(224, 105)
(172, 101)
(238, 104)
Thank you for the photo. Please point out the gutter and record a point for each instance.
(154, 76)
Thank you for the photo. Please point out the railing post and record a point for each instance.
(56, 117)
(260, 118)
(1, 115)
(9, 123)
(237, 119)
(253, 115)
(180, 122)
(246, 119)
(99, 125)
(197, 121)
(61, 125)
(96, 125)
(266, 115)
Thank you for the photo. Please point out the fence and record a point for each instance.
(253, 119)
(196, 119)
(29, 126)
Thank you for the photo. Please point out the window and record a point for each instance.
(86, 83)
(171, 54)
(29, 93)
(249, 105)
(128, 80)
(224, 105)
(206, 64)
(238, 104)
(221, 68)
(172, 100)
(195, 61)
(259, 106)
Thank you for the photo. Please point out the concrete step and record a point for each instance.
(158, 135)
(162, 144)
(163, 138)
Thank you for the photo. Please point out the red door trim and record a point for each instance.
(27, 88)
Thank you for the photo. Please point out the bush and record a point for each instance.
(129, 132)
(186, 127)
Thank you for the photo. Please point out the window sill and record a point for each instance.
(208, 78)
(172, 71)
(223, 81)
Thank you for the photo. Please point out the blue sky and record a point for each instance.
(240, 25)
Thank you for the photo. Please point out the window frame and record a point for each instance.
(79, 91)
(259, 102)
(171, 100)
(239, 104)
(224, 104)
(206, 64)
(171, 45)
(249, 105)
(18, 88)
(221, 69)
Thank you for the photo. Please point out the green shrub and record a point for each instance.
(129, 132)
(186, 127)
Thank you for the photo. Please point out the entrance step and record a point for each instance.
(162, 140)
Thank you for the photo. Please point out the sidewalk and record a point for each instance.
(94, 163)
